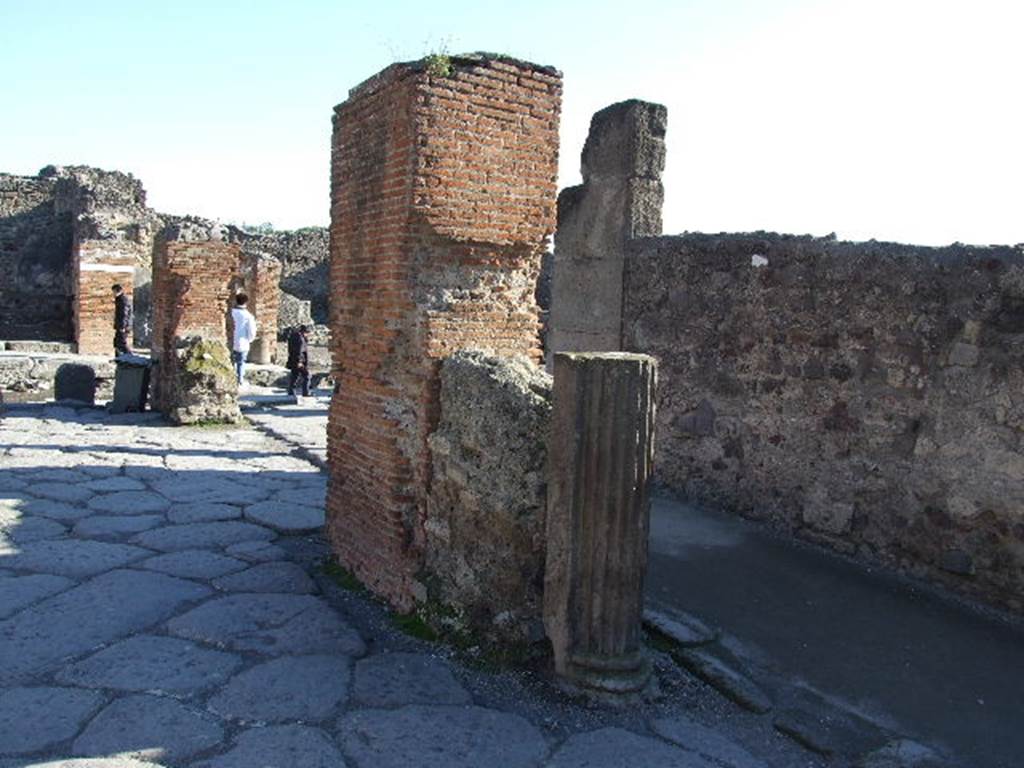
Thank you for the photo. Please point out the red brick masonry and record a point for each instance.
(442, 201)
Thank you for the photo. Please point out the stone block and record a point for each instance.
(75, 382)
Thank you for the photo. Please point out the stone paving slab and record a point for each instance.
(193, 564)
(34, 718)
(441, 737)
(115, 527)
(615, 748)
(280, 746)
(55, 510)
(304, 688)
(268, 577)
(149, 727)
(256, 551)
(104, 609)
(153, 663)
(129, 503)
(73, 557)
(202, 512)
(211, 489)
(18, 592)
(174, 538)
(113, 484)
(398, 679)
(22, 531)
(61, 491)
(286, 518)
(706, 742)
(99, 762)
(269, 624)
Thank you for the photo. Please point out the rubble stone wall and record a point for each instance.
(869, 396)
(35, 250)
(484, 531)
(443, 187)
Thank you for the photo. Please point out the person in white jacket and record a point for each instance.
(245, 331)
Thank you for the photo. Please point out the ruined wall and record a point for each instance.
(443, 187)
(866, 395)
(304, 256)
(484, 532)
(620, 198)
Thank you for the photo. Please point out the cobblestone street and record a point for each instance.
(163, 601)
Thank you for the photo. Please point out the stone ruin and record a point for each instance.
(865, 396)
(439, 496)
(69, 233)
(196, 275)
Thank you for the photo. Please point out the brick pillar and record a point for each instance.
(620, 198)
(599, 462)
(96, 265)
(263, 286)
(193, 282)
(442, 200)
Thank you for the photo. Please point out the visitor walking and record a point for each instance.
(122, 320)
(244, 332)
(298, 360)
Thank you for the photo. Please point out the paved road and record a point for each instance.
(161, 604)
(879, 646)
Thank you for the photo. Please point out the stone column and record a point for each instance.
(599, 462)
(620, 199)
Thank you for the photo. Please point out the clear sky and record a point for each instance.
(893, 119)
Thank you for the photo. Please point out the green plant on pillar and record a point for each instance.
(438, 64)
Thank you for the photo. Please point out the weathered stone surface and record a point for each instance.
(72, 557)
(74, 381)
(20, 591)
(55, 510)
(268, 577)
(286, 518)
(821, 727)
(173, 538)
(706, 742)
(202, 512)
(683, 628)
(598, 518)
(149, 727)
(615, 747)
(61, 491)
(280, 746)
(269, 624)
(202, 387)
(150, 663)
(620, 198)
(485, 520)
(115, 484)
(99, 611)
(24, 530)
(210, 489)
(902, 753)
(256, 551)
(33, 718)
(312, 495)
(304, 688)
(396, 679)
(450, 736)
(734, 684)
(129, 503)
(107, 527)
(193, 564)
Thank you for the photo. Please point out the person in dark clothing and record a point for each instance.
(122, 320)
(298, 360)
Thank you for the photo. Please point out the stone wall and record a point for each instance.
(443, 188)
(866, 396)
(869, 396)
(47, 221)
(35, 248)
(484, 531)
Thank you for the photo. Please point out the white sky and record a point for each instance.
(899, 120)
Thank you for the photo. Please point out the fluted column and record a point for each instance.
(600, 456)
